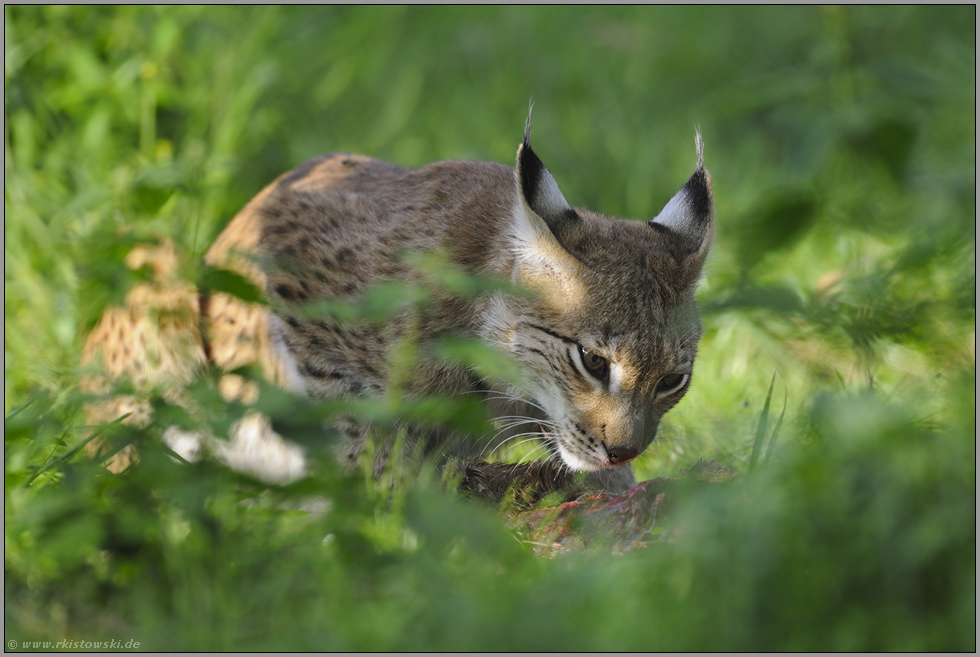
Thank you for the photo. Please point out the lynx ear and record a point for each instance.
(545, 229)
(540, 194)
(689, 213)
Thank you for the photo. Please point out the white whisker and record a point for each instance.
(528, 437)
(523, 419)
(500, 395)
(532, 456)
(513, 424)
(533, 435)
(504, 429)
(510, 443)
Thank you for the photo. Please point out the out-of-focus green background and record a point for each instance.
(842, 146)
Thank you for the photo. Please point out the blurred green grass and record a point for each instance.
(842, 146)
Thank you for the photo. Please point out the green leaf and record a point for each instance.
(214, 279)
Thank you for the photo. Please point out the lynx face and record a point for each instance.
(609, 345)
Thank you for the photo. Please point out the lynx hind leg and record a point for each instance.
(153, 340)
(107, 410)
(115, 351)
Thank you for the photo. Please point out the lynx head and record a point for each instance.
(608, 343)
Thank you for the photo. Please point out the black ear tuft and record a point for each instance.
(527, 126)
(538, 187)
(532, 171)
(698, 190)
(689, 212)
(698, 187)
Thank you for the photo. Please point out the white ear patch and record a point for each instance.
(676, 215)
(547, 197)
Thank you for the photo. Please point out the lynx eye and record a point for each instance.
(671, 384)
(595, 364)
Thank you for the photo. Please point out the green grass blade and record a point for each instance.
(775, 432)
(760, 431)
(74, 450)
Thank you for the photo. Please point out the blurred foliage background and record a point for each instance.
(842, 146)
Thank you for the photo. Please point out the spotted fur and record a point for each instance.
(607, 341)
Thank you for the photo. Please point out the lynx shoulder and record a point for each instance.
(606, 342)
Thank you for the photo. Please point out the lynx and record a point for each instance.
(606, 342)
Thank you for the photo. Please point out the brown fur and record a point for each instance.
(621, 290)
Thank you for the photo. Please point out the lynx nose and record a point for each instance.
(621, 454)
